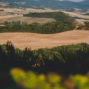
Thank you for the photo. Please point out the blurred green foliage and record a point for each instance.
(47, 28)
(81, 82)
(58, 16)
(31, 80)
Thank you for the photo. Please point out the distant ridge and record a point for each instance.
(53, 4)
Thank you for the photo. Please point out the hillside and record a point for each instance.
(61, 22)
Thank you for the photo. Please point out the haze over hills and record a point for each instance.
(53, 4)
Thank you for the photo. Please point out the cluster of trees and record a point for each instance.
(47, 28)
(64, 60)
(63, 23)
(58, 16)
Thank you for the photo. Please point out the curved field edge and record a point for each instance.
(35, 41)
(48, 28)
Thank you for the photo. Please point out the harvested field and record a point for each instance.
(36, 41)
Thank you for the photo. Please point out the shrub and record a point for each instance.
(31, 80)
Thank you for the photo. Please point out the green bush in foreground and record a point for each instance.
(31, 80)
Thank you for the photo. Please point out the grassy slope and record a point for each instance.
(63, 23)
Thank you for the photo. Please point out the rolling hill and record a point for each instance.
(36, 41)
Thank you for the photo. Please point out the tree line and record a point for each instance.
(47, 28)
(48, 81)
(65, 60)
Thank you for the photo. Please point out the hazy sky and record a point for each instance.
(72, 0)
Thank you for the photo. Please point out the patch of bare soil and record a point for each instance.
(36, 41)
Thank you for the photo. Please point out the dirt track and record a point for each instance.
(36, 41)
